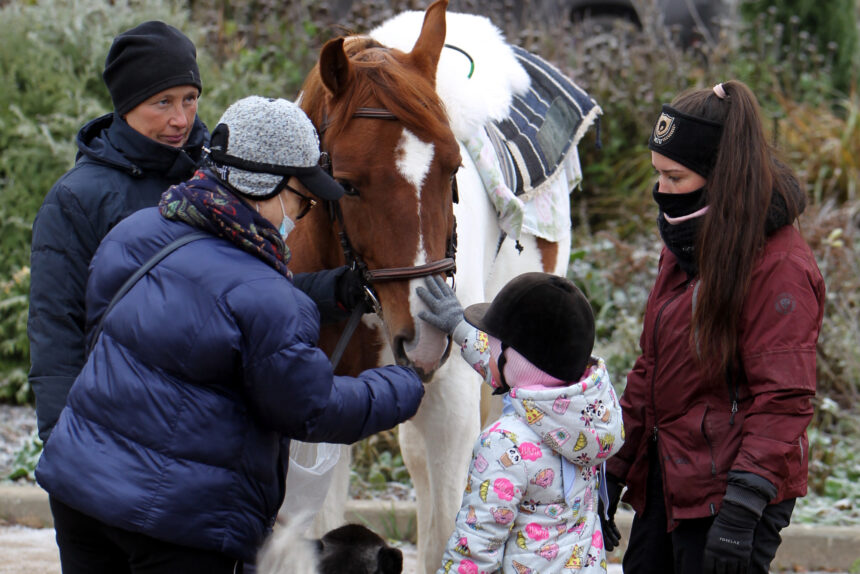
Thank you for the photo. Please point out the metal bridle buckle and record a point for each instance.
(371, 297)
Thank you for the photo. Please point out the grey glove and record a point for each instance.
(444, 310)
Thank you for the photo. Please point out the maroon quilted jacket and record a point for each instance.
(706, 424)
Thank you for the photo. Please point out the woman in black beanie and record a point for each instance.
(717, 405)
(126, 159)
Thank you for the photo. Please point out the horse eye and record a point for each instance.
(348, 188)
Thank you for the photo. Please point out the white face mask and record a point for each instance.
(287, 224)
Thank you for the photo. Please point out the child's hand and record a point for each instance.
(444, 310)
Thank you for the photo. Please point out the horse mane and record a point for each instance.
(380, 79)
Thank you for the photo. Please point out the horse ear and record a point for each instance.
(334, 67)
(428, 46)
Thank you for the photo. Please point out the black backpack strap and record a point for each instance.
(143, 270)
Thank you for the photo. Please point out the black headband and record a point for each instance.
(691, 141)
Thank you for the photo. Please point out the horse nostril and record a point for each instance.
(400, 351)
(403, 360)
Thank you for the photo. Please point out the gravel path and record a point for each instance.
(33, 551)
(28, 551)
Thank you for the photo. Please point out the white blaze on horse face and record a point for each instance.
(413, 158)
(427, 349)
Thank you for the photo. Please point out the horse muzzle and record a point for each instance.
(425, 352)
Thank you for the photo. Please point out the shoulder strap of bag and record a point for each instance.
(348, 331)
(129, 283)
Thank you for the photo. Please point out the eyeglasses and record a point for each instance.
(307, 201)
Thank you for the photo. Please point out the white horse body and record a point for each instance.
(437, 443)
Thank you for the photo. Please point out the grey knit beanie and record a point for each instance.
(259, 142)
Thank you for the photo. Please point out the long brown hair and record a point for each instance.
(745, 175)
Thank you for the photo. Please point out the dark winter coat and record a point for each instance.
(691, 413)
(117, 172)
(178, 427)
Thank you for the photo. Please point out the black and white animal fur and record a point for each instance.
(349, 549)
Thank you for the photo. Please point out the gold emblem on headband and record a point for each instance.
(664, 130)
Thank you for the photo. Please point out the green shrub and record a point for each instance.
(24, 463)
(264, 48)
(377, 466)
(616, 277)
(51, 58)
(825, 30)
(14, 387)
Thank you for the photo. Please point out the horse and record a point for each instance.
(416, 204)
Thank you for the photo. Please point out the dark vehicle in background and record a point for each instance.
(688, 21)
(694, 21)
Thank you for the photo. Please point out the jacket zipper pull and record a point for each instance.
(734, 410)
(654, 434)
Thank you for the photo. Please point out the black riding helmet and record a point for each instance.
(545, 318)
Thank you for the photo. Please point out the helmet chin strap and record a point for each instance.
(503, 384)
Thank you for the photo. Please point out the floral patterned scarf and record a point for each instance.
(204, 203)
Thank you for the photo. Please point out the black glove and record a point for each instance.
(611, 534)
(349, 291)
(729, 544)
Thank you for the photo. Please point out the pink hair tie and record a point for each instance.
(720, 91)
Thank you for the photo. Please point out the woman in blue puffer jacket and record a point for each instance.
(172, 451)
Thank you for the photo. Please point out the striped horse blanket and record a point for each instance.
(544, 124)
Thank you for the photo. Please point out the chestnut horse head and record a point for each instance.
(388, 139)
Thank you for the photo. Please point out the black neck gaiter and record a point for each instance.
(680, 238)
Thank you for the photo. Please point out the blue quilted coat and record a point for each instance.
(179, 425)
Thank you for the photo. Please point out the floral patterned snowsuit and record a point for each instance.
(530, 504)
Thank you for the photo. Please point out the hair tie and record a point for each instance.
(720, 91)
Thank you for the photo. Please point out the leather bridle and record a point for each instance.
(369, 276)
(446, 265)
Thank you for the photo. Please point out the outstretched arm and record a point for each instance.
(446, 314)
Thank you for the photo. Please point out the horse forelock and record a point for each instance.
(382, 77)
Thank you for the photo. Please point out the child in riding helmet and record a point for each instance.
(532, 495)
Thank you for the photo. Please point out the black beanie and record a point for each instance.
(146, 60)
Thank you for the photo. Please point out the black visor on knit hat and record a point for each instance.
(146, 60)
(546, 318)
(259, 143)
(691, 141)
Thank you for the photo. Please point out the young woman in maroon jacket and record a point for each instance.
(717, 405)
